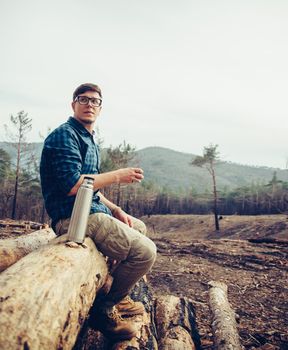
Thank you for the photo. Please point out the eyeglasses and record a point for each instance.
(84, 100)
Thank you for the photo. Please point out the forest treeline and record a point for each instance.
(21, 197)
(137, 199)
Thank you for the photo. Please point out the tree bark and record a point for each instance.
(223, 318)
(176, 323)
(13, 249)
(215, 199)
(45, 297)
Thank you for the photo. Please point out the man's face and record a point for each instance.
(86, 114)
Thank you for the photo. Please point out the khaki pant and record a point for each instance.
(130, 246)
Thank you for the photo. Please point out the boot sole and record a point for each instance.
(127, 314)
(116, 337)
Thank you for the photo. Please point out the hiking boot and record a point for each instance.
(113, 326)
(129, 307)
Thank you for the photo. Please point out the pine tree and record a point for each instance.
(23, 125)
(209, 160)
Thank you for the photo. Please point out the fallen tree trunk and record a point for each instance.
(223, 318)
(45, 297)
(269, 240)
(13, 249)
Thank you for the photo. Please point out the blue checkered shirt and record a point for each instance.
(69, 151)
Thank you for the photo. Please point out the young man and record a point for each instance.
(69, 154)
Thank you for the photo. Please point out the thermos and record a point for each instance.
(81, 209)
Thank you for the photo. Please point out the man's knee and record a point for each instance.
(147, 251)
(119, 241)
(152, 254)
(139, 226)
(152, 250)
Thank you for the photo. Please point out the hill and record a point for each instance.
(172, 170)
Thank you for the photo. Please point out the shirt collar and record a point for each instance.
(73, 121)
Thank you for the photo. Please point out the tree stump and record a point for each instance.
(46, 296)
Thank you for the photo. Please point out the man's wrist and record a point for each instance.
(115, 177)
(115, 210)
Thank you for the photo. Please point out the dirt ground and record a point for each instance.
(191, 253)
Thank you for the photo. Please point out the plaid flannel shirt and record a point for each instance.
(68, 152)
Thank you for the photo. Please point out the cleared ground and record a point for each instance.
(191, 253)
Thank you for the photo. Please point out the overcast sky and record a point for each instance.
(177, 74)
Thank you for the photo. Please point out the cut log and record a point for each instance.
(13, 249)
(223, 318)
(269, 240)
(45, 296)
(176, 323)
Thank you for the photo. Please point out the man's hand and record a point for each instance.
(128, 175)
(120, 214)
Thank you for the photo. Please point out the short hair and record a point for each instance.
(86, 87)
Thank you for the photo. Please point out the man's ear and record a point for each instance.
(73, 106)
